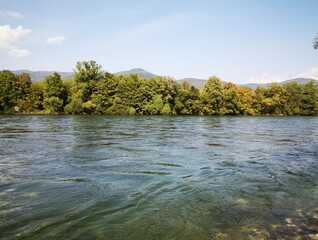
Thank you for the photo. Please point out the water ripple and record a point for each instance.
(112, 177)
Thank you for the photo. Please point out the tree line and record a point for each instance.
(94, 91)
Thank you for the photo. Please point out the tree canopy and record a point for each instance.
(94, 91)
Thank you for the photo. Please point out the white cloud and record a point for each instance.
(11, 14)
(8, 36)
(269, 78)
(310, 73)
(55, 40)
(17, 52)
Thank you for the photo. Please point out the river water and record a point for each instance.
(157, 177)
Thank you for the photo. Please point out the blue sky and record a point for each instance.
(239, 41)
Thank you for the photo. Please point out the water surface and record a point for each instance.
(114, 177)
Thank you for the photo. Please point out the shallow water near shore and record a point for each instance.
(158, 177)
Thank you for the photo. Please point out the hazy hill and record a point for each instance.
(40, 75)
(197, 82)
(300, 80)
(139, 71)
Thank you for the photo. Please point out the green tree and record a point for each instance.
(131, 92)
(105, 93)
(75, 106)
(155, 106)
(87, 71)
(36, 97)
(7, 95)
(275, 99)
(22, 89)
(258, 99)
(309, 99)
(166, 109)
(86, 76)
(270, 100)
(88, 107)
(231, 101)
(246, 95)
(212, 96)
(293, 92)
(55, 94)
(187, 100)
(171, 88)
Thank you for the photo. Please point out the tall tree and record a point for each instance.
(155, 106)
(275, 99)
(246, 95)
(293, 92)
(184, 98)
(309, 99)
(86, 75)
(54, 93)
(22, 89)
(212, 96)
(105, 93)
(6, 90)
(270, 100)
(231, 101)
(36, 97)
(132, 94)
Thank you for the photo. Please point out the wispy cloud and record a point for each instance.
(8, 36)
(174, 21)
(10, 14)
(17, 52)
(268, 78)
(310, 73)
(55, 40)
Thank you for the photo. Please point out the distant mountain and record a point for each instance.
(253, 85)
(197, 82)
(139, 71)
(300, 80)
(40, 75)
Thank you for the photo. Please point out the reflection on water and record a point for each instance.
(107, 177)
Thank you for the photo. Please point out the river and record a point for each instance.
(158, 177)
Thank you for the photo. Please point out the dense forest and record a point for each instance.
(94, 91)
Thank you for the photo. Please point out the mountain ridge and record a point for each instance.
(139, 71)
(40, 75)
(197, 82)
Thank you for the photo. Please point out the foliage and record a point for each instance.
(7, 78)
(22, 90)
(309, 99)
(293, 94)
(231, 101)
(93, 91)
(55, 94)
(212, 96)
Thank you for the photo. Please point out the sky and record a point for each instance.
(240, 41)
